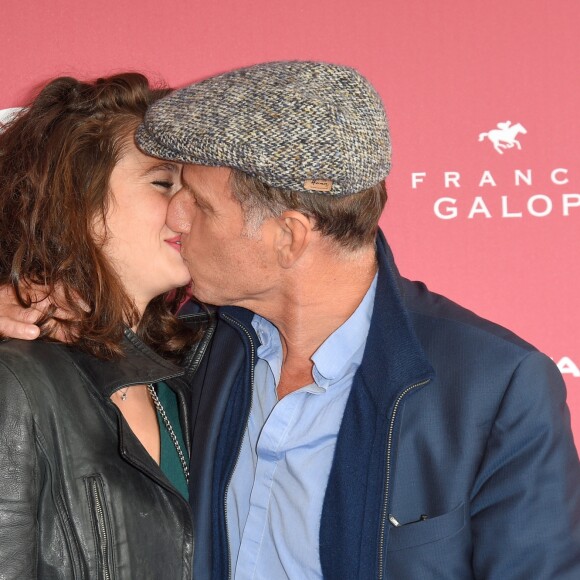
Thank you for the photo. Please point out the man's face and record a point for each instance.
(227, 267)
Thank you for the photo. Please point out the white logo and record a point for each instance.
(504, 137)
(567, 366)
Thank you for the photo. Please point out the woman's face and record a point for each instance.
(143, 250)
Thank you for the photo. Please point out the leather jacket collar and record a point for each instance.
(140, 365)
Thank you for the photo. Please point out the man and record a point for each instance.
(347, 423)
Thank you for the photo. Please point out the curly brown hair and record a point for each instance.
(56, 159)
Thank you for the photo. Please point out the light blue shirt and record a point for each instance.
(275, 498)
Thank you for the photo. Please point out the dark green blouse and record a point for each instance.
(170, 463)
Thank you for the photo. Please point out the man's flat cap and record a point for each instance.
(299, 126)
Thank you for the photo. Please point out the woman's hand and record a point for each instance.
(19, 322)
(16, 321)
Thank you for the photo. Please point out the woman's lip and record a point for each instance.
(175, 243)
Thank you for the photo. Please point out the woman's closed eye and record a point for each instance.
(167, 186)
(164, 184)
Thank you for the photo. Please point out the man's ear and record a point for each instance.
(294, 236)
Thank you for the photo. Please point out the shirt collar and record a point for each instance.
(344, 348)
(270, 349)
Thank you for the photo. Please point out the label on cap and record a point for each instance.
(318, 184)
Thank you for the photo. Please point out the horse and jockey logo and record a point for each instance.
(504, 137)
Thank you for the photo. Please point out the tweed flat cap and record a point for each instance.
(299, 126)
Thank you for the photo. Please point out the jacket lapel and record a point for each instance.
(393, 360)
(219, 401)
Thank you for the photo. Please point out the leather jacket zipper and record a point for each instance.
(103, 546)
(252, 364)
(388, 473)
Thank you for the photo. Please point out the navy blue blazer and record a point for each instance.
(454, 459)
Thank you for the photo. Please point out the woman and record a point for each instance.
(94, 462)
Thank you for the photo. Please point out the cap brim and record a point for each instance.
(151, 146)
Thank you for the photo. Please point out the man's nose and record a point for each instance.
(180, 212)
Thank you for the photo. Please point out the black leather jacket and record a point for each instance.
(79, 495)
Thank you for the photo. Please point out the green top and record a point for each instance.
(170, 463)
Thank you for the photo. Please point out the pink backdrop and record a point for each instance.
(498, 232)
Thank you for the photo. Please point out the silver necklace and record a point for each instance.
(170, 430)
